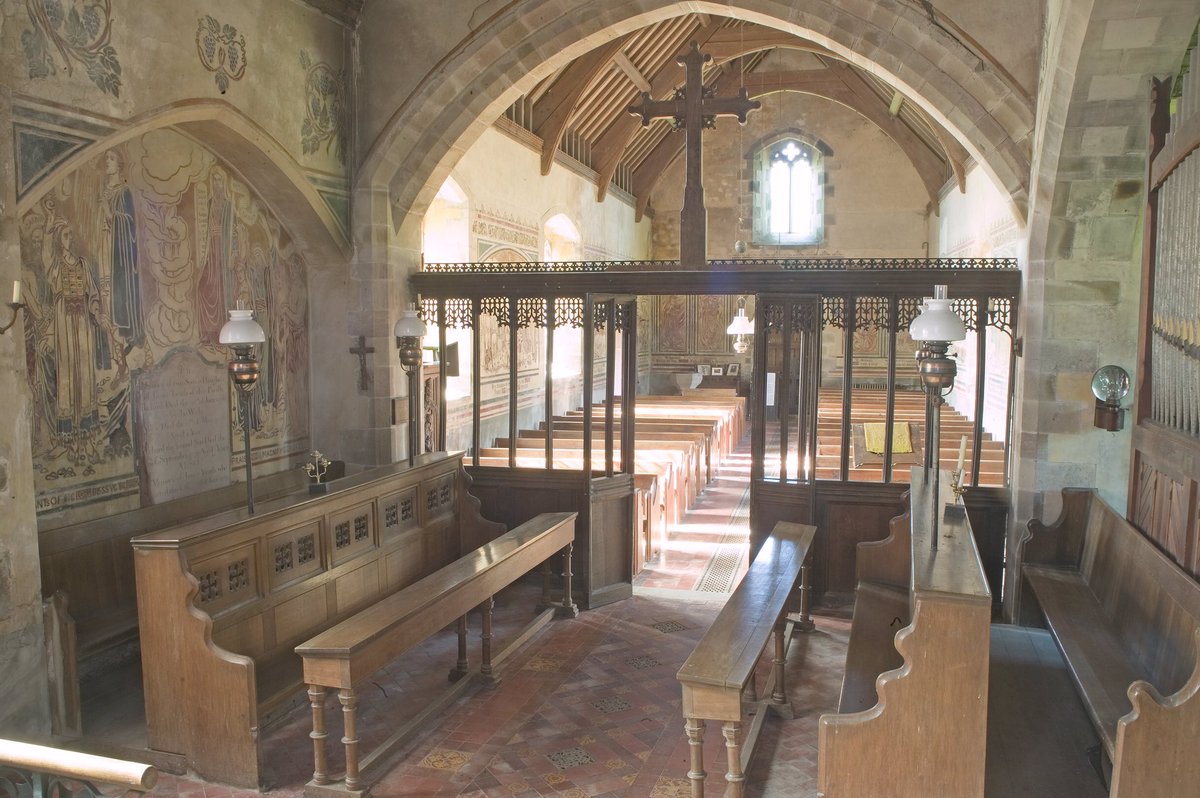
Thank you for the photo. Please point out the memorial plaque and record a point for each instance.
(182, 409)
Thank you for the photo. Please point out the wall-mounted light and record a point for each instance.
(741, 326)
(14, 306)
(1110, 384)
(241, 334)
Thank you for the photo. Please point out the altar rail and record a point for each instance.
(31, 770)
(223, 600)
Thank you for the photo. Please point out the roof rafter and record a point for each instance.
(553, 111)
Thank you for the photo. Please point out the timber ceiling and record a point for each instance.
(581, 108)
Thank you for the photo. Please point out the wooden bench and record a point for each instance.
(721, 668)
(223, 600)
(341, 657)
(1127, 621)
(918, 728)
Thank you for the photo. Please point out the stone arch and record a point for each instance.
(527, 40)
(243, 144)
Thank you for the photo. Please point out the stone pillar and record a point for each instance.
(24, 694)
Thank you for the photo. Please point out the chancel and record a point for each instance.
(479, 398)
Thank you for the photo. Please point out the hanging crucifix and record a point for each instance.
(362, 350)
(693, 108)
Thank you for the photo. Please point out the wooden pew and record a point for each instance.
(924, 732)
(1127, 620)
(223, 600)
(654, 507)
(341, 657)
(721, 668)
(697, 439)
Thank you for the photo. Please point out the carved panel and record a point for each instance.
(398, 514)
(352, 532)
(709, 323)
(227, 580)
(292, 554)
(671, 329)
(438, 497)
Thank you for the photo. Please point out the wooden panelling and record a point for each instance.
(257, 584)
(357, 587)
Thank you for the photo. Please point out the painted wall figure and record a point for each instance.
(210, 284)
(121, 248)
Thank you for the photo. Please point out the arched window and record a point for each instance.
(789, 202)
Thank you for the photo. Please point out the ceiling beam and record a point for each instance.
(731, 43)
(608, 148)
(632, 72)
(552, 113)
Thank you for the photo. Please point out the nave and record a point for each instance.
(591, 706)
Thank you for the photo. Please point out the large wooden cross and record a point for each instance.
(694, 108)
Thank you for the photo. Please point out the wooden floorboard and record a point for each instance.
(1038, 731)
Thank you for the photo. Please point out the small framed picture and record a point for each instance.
(717, 371)
(705, 370)
(733, 369)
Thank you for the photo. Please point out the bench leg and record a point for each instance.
(805, 624)
(734, 777)
(485, 665)
(547, 576)
(316, 699)
(349, 701)
(695, 734)
(463, 667)
(567, 609)
(779, 699)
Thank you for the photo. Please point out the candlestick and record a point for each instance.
(962, 453)
(16, 300)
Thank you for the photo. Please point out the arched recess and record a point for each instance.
(280, 183)
(446, 233)
(507, 55)
(560, 238)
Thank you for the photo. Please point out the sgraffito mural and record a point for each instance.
(130, 264)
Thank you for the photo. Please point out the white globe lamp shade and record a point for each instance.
(410, 325)
(937, 320)
(241, 329)
(741, 324)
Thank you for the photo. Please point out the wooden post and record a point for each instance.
(779, 692)
(567, 609)
(485, 665)
(462, 667)
(316, 698)
(547, 576)
(695, 734)
(805, 624)
(349, 701)
(733, 752)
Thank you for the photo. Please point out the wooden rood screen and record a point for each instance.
(1165, 474)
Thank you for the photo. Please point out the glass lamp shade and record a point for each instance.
(1110, 384)
(410, 325)
(937, 320)
(741, 324)
(241, 329)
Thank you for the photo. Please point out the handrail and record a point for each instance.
(76, 765)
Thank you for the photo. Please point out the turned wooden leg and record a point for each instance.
(805, 624)
(695, 734)
(349, 701)
(733, 752)
(485, 664)
(779, 699)
(461, 669)
(547, 577)
(567, 609)
(316, 698)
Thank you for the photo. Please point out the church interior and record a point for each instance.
(600, 398)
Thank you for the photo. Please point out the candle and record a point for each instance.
(16, 292)
(962, 453)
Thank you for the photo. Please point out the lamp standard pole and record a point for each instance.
(241, 333)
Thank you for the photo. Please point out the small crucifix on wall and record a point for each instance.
(362, 350)
(694, 108)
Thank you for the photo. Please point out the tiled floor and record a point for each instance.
(590, 706)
